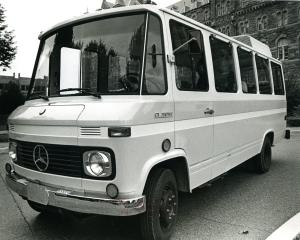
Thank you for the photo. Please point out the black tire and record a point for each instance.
(158, 222)
(262, 161)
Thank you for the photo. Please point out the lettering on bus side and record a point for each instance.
(163, 115)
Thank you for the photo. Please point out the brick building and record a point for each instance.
(187, 5)
(276, 23)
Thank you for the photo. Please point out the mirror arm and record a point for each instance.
(186, 43)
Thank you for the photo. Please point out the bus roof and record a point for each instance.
(256, 45)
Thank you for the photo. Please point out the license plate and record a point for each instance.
(37, 193)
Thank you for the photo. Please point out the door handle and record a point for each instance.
(209, 111)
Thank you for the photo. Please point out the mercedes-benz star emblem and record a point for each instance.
(41, 158)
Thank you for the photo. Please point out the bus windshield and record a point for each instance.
(103, 56)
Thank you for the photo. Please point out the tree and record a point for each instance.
(11, 98)
(8, 49)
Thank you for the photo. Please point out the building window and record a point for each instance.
(262, 23)
(222, 8)
(228, 7)
(279, 19)
(282, 18)
(218, 9)
(283, 49)
(206, 15)
(244, 27)
(228, 30)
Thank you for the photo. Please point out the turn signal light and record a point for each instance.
(119, 132)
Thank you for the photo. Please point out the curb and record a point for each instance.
(288, 231)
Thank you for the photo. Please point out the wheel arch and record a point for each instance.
(177, 162)
(270, 134)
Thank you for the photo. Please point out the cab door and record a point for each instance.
(192, 98)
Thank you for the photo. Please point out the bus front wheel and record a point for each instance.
(158, 222)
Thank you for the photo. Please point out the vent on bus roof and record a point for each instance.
(90, 131)
(122, 3)
(254, 43)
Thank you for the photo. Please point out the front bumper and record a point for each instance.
(74, 201)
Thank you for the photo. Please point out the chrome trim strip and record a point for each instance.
(79, 201)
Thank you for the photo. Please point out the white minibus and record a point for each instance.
(130, 105)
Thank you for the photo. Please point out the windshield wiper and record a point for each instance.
(72, 89)
(44, 97)
(37, 95)
(81, 90)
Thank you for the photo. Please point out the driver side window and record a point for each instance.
(190, 63)
(155, 75)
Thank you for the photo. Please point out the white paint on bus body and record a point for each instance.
(210, 144)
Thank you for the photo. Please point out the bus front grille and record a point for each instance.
(62, 160)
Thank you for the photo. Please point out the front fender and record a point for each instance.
(155, 160)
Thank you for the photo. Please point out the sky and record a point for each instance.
(29, 17)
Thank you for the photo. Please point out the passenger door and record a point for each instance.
(193, 102)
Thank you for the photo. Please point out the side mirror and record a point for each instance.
(154, 58)
(70, 65)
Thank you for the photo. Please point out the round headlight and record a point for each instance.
(13, 151)
(97, 164)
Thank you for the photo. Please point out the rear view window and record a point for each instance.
(277, 79)
(223, 63)
(264, 78)
(247, 71)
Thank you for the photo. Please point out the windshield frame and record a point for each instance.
(31, 95)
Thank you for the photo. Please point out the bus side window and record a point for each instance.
(190, 62)
(264, 78)
(247, 71)
(277, 79)
(223, 63)
(155, 73)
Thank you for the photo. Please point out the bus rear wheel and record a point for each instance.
(262, 161)
(158, 222)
